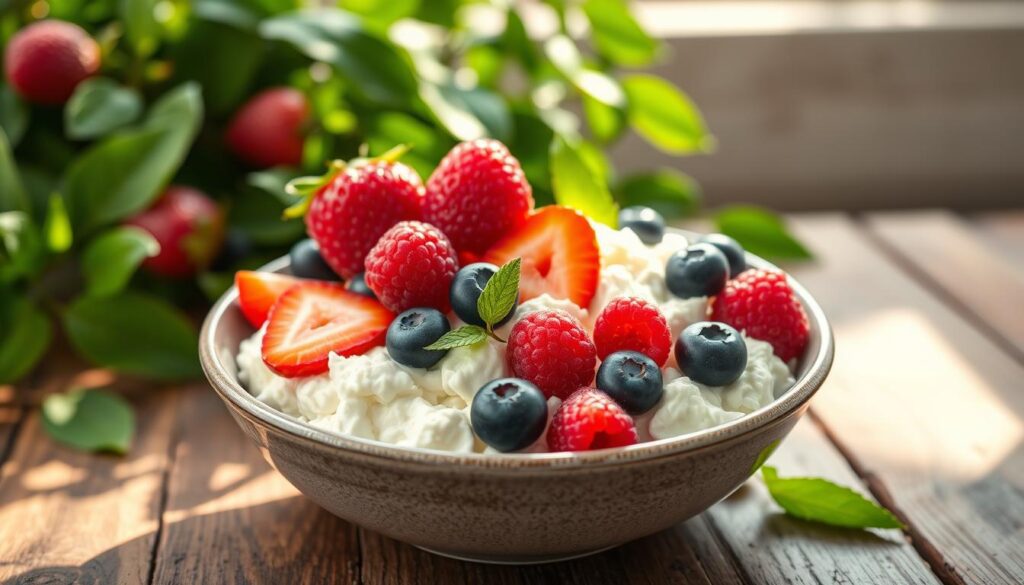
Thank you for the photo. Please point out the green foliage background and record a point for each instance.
(377, 73)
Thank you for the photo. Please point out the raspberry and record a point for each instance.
(45, 61)
(349, 214)
(632, 323)
(477, 194)
(761, 304)
(412, 266)
(552, 350)
(590, 419)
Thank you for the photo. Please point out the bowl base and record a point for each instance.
(516, 559)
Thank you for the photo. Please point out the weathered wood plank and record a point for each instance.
(951, 256)
(67, 516)
(230, 518)
(774, 548)
(1005, 230)
(928, 409)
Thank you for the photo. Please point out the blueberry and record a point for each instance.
(632, 379)
(308, 263)
(466, 287)
(711, 353)
(509, 414)
(647, 223)
(357, 284)
(413, 330)
(698, 271)
(731, 248)
(236, 247)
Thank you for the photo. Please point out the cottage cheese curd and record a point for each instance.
(373, 397)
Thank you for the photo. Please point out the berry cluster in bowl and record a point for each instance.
(455, 316)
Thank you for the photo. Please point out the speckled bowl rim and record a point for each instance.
(225, 383)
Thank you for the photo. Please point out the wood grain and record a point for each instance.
(230, 518)
(952, 257)
(67, 516)
(929, 410)
(774, 548)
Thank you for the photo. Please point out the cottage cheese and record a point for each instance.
(373, 397)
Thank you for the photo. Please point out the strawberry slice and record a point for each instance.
(559, 252)
(313, 319)
(257, 292)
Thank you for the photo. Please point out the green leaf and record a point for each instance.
(257, 213)
(27, 335)
(12, 192)
(13, 115)
(500, 293)
(665, 116)
(223, 58)
(125, 172)
(577, 186)
(761, 232)
(57, 228)
(672, 193)
(565, 56)
(463, 336)
(820, 500)
(427, 145)
(98, 106)
(468, 113)
(140, 25)
(374, 66)
(135, 334)
(90, 420)
(605, 122)
(381, 13)
(618, 36)
(110, 260)
(229, 12)
(21, 246)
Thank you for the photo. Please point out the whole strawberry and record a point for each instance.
(477, 194)
(188, 225)
(352, 211)
(267, 130)
(412, 265)
(552, 350)
(762, 305)
(590, 419)
(46, 60)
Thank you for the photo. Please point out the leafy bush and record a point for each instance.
(375, 72)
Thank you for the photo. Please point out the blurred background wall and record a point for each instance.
(856, 105)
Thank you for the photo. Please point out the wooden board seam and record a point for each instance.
(931, 555)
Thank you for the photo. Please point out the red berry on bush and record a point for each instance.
(188, 225)
(267, 130)
(46, 60)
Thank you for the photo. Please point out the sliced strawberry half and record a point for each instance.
(258, 291)
(559, 252)
(313, 319)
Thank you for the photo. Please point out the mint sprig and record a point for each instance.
(496, 301)
(820, 500)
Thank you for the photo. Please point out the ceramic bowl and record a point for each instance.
(511, 508)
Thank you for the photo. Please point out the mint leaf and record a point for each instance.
(110, 260)
(90, 420)
(500, 293)
(820, 500)
(463, 336)
(760, 232)
(576, 184)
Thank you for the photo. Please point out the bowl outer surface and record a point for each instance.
(510, 507)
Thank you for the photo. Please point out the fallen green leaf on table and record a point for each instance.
(90, 420)
(820, 500)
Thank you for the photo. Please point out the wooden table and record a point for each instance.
(924, 411)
